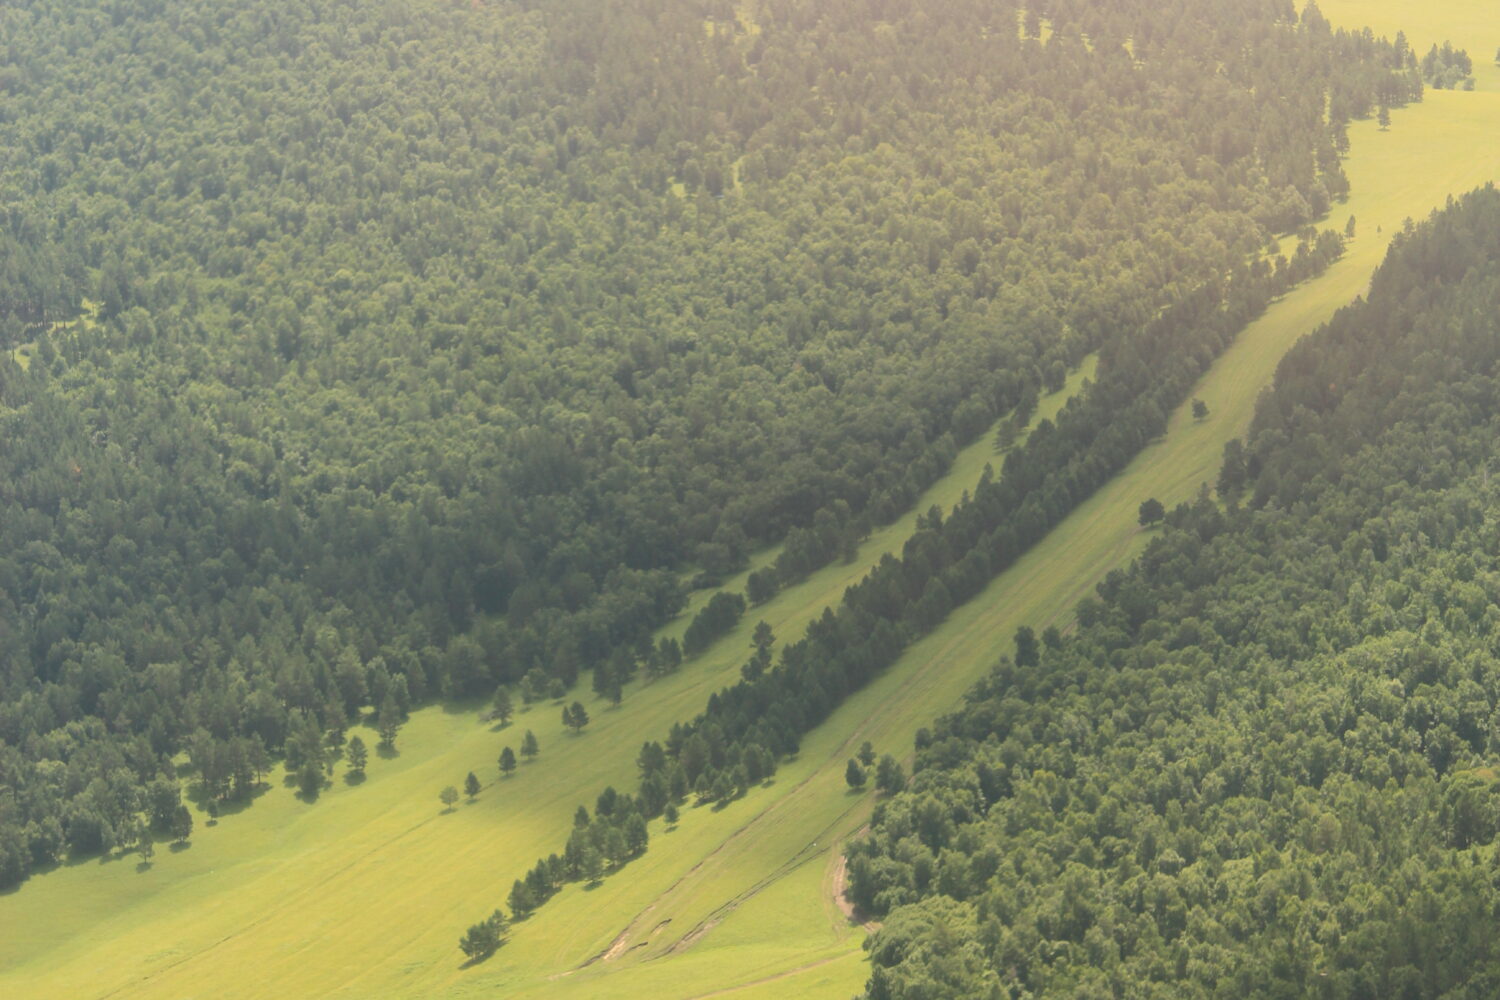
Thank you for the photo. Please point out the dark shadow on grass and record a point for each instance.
(354, 777)
(142, 867)
(480, 959)
(229, 807)
(386, 752)
(178, 846)
(463, 706)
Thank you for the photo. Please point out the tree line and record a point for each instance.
(1263, 765)
(747, 727)
(374, 355)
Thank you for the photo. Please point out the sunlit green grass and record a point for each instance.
(365, 892)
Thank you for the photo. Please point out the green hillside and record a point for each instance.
(366, 890)
(382, 909)
(1264, 765)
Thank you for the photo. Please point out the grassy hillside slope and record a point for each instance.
(366, 892)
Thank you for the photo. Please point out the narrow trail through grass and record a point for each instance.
(365, 892)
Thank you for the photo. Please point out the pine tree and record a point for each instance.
(471, 785)
(854, 774)
(448, 795)
(504, 707)
(507, 761)
(529, 746)
(521, 899)
(357, 756)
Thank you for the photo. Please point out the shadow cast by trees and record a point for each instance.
(469, 963)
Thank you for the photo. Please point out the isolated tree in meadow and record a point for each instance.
(1349, 228)
(1151, 511)
(670, 814)
(854, 774)
(866, 753)
(529, 746)
(889, 777)
(575, 717)
(357, 755)
(507, 761)
(182, 825)
(449, 795)
(504, 707)
(1200, 408)
(471, 785)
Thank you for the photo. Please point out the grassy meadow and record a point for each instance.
(365, 892)
(1469, 24)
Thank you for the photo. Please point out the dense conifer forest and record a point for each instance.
(357, 355)
(1264, 765)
